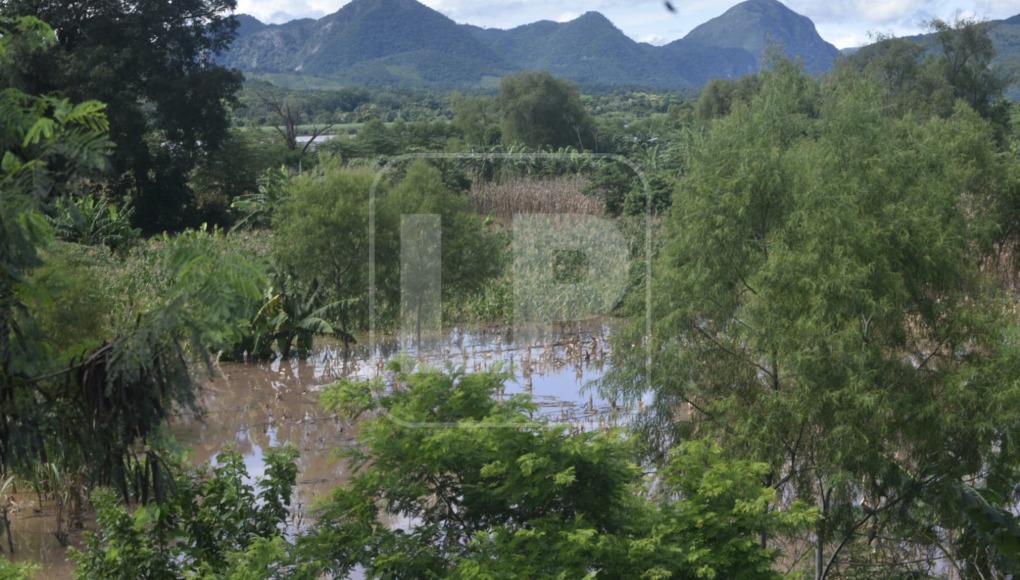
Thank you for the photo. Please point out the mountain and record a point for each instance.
(756, 24)
(403, 42)
(369, 41)
(697, 64)
(588, 49)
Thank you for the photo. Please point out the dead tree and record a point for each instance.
(289, 120)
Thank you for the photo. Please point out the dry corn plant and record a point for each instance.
(555, 195)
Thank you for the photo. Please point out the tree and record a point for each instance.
(236, 171)
(321, 240)
(898, 66)
(718, 97)
(83, 397)
(927, 77)
(288, 123)
(478, 120)
(470, 254)
(539, 110)
(820, 305)
(152, 63)
(487, 492)
(966, 53)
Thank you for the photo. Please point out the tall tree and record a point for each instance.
(956, 61)
(820, 305)
(540, 110)
(152, 62)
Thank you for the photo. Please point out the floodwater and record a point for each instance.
(251, 407)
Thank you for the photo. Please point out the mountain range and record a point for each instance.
(405, 43)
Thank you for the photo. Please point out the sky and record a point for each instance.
(844, 23)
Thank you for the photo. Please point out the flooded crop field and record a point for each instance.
(251, 407)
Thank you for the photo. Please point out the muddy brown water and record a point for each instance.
(251, 407)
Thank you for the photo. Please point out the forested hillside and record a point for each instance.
(404, 43)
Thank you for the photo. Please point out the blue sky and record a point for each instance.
(842, 22)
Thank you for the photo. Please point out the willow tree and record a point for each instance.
(820, 305)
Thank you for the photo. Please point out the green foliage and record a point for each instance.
(486, 492)
(965, 61)
(258, 207)
(66, 296)
(321, 239)
(291, 316)
(610, 183)
(93, 221)
(321, 243)
(478, 120)
(213, 523)
(719, 97)
(820, 305)
(956, 61)
(539, 110)
(151, 64)
(470, 254)
(236, 171)
(17, 570)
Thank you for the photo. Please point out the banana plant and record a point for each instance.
(257, 208)
(93, 221)
(291, 317)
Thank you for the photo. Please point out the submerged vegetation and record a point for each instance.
(830, 386)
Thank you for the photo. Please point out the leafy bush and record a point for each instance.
(321, 240)
(17, 570)
(211, 522)
(483, 491)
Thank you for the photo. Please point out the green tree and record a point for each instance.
(152, 62)
(234, 171)
(487, 492)
(965, 60)
(539, 110)
(927, 77)
(478, 120)
(321, 239)
(820, 305)
(719, 97)
(470, 254)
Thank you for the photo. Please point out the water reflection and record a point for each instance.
(251, 407)
(255, 406)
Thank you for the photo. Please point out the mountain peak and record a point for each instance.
(593, 17)
(765, 5)
(754, 25)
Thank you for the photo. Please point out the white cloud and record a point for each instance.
(655, 39)
(277, 11)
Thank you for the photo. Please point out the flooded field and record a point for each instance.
(251, 407)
